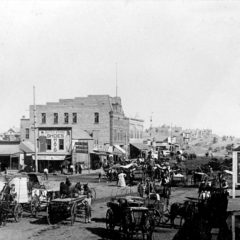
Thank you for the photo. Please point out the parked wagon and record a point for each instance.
(158, 207)
(130, 216)
(63, 208)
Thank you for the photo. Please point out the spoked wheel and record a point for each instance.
(109, 220)
(17, 212)
(165, 216)
(73, 213)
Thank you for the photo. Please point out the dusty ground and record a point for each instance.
(38, 229)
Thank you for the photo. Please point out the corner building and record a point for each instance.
(98, 121)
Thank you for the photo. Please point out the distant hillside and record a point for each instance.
(214, 144)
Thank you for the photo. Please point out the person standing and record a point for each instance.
(121, 179)
(80, 169)
(45, 171)
(88, 207)
(141, 189)
(76, 168)
(71, 169)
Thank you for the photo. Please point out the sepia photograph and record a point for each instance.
(120, 119)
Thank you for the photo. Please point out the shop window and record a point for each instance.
(27, 133)
(55, 118)
(43, 118)
(96, 117)
(61, 144)
(49, 144)
(74, 116)
(65, 117)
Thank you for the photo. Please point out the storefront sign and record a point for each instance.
(49, 157)
(103, 148)
(81, 147)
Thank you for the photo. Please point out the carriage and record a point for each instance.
(132, 218)
(9, 208)
(63, 208)
(158, 207)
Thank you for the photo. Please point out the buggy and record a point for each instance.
(62, 208)
(129, 214)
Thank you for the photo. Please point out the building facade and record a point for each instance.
(81, 127)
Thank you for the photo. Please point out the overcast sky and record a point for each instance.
(177, 60)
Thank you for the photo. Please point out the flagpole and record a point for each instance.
(35, 128)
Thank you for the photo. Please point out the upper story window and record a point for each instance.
(61, 144)
(74, 117)
(55, 118)
(43, 118)
(66, 118)
(27, 133)
(49, 144)
(96, 117)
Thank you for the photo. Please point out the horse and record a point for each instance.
(184, 210)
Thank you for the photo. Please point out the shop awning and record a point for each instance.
(121, 150)
(26, 147)
(141, 146)
(9, 149)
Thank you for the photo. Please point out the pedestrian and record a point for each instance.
(71, 169)
(141, 189)
(88, 209)
(45, 171)
(121, 179)
(80, 169)
(99, 176)
(76, 168)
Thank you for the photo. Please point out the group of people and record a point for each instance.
(68, 189)
(9, 193)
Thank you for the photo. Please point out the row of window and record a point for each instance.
(119, 135)
(66, 118)
(60, 144)
(136, 134)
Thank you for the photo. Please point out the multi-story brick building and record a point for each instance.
(95, 121)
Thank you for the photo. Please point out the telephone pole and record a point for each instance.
(35, 128)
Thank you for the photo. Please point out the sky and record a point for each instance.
(176, 61)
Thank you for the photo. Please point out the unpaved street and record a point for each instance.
(38, 229)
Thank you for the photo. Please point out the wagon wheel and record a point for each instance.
(34, 206)
(73, 213)
(109, 220)
(17, 212)
(165, 216)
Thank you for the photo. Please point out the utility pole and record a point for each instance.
(35, 128)
(116, 80)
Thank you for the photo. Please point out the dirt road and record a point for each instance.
(38, 229)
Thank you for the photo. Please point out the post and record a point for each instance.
(88, 158)
(35, 128)
(234, 172)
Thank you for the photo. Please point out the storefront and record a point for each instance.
(10, 155)
(53, 162)
(138, 150)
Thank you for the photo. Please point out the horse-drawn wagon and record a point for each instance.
(63, 208)
(129, 214)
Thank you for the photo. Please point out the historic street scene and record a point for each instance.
(119, 120)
